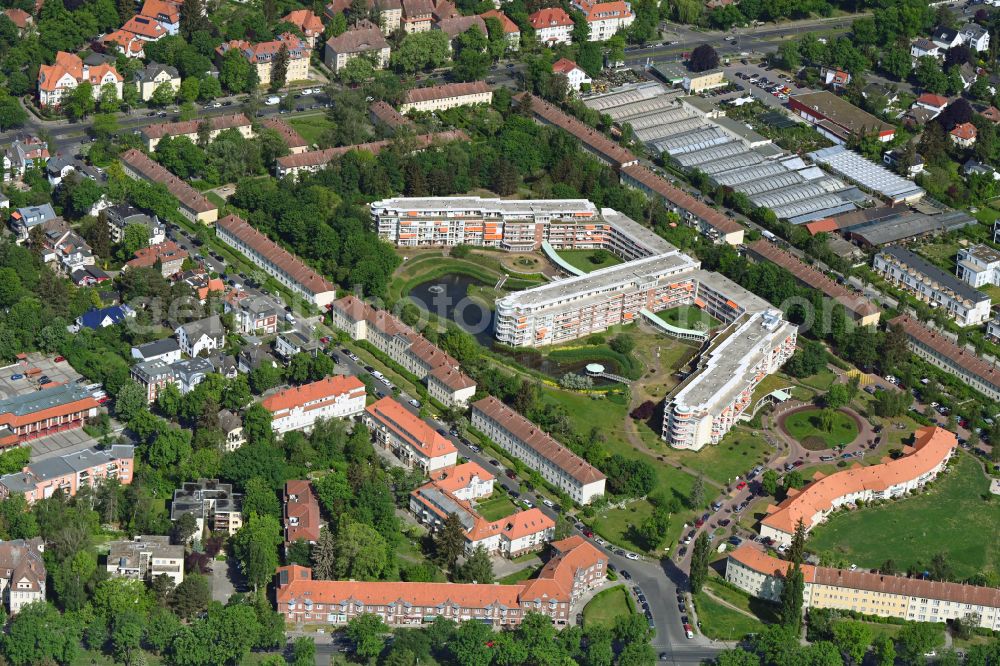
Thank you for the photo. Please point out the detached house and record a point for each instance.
(963, 135)
(933, 103)
(24, 154)
(262, 56)
(22, 573)
(59, 79)
(365, 39)
(169, 256)
(975, 36)
(418, 15)
(154, 76)
(575, 76)
(552, 26)
(307, 22)
(511, 33)
(203, 335)
(605, 18)
(946, 38)
(67, 251)
(924, 47)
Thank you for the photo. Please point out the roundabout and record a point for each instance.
(819, 429)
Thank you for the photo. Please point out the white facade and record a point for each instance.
(205, 335)
(930, 284)
(978, 265)
(331, 398)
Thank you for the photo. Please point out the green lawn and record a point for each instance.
(520, 575)
(734, 456)
(216, 199)
(687, 316)
(582, 259)
(606, 606)
(310, 127)
(951, 518)
(804, 426)
(821, 381)
(720, 622)
(497, 507)
(765, 611)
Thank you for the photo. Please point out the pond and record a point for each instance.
(447, 298)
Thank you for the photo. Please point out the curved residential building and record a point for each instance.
(919, 464)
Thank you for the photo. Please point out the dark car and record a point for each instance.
(724, 522)
(683, 551)
(442, 432)
(626, 575)
(510, 474)
(495, 463)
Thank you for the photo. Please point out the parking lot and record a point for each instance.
(28, 372)
(756, 91)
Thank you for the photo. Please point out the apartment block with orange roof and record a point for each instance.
(605, 18)
(871, 593)
(919, 464)
(408, 437)
(263, 54)
(575, 567)
(552, 26)
(446, 382)
(57, 80)
(454, 491)
(298, 408)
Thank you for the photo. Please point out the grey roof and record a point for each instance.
(44, 213)
(899, 227)
(50, 468)
(198, 497)
(158, 347)
(151, 370)
(210, 326)
(188, 369)
(154, 68)
(867, 174)
(45, 398)
(229, 421)
(944, 278)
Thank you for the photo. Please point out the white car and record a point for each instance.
(528, 504)
(415, 403)
(631, 556)
(272, 100)
(549, 503)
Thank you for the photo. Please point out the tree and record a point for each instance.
(279, 69)
(696, 498)
(360, 552)
(80, 102)
(163, 95)
(357, 70)
(838, 396)
(796, 551)
(236, 73)
(930, 76)
(256, 547)
(884, 650)
(789, 56)
(131, 400)
(622, 343)
(852, 639)
(700, 558)
(324, 555)
(303, 651)
(260, 498)
(421, 50)
(257, 425)
(367, 633)
(769, 482)
(126, 635)
(637, 654)
(191, 597)
(917, 639)
(184, 528)
(791, 599)
(38, 634)
(703, 58)
(449, 542)
(940, 568)
(478, 568)
(12, 114)
(737, 657)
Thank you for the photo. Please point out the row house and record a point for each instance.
(867, 592)
(192, 204)
(446, 96)
(210, 127)
(70, 472)
(298, 408)
(524, 440)
(892, 478)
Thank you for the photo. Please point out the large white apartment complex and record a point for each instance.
(538, 450)
(904, 269)
(920, 463)
(912, 599)
(568, 309)
(978, 265)
(513, 225)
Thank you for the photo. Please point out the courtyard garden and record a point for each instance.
(606, 606)
(818, 429)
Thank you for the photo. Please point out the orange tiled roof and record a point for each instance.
(325, 388)
(410, 428)
(446, 90)
(601, 11)
(169, 12)
(564, 66)
(304, 509)
(305, 20)
(550, 17)
(932, 446)
(288, 134)
(164, 252)
(18, 17)
(964, 131)
(509, 27)
(145, 26)
(930, 99)
(455, 478)
(66, 63)
(556, 577)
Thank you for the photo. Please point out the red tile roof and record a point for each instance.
(18, 17)
(410, 428)
(384, 112)
(550, 17)
(932, 446)
(587, 135)
(538, 440)
(324, 389)
(571, 556)
(509, 27)
(288, 134)
(215, 123)
(323, 157)
(146, 27)
(812, 277)
(872, 582)
(189, 197)
(445, 91)
(826, 225)
(564, 66)
(302, 506)
(964, 131)
(681, 199)
(291, 265)
(930, 99)
(305, 20)
(960, 356)
(452, 479)
(164, 252)
(452, 377)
